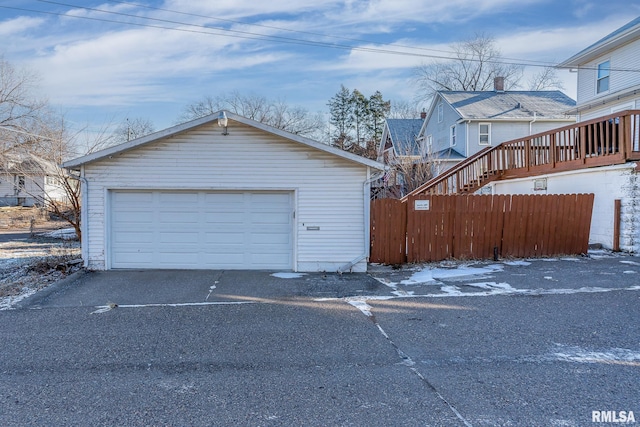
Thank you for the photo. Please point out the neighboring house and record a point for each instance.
(27, 180)
(242, 196)
(398, 149)
(466, 122)
(608, 77)
(399, 140)
(608, 82)
(600, 154)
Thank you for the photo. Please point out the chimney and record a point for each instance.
(498, 84)
(423, 115)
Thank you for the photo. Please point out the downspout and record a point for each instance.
(535, 117)
(466, 138)
(366, 192)
(84, 224)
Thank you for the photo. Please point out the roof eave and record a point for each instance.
(99, 155)
(601, 47)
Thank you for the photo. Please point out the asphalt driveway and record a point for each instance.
(535, 343)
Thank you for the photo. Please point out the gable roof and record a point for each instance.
(184, 127)
(22, 163)
(623, 35)
(403, 134)
(448, 154)
(509, 105)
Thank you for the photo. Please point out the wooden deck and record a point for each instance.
(608, 140)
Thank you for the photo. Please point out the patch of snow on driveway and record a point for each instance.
(460, 273)
(288, 275)
(613, 356)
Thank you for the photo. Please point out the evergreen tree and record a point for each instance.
(357, 121)
(341, 110)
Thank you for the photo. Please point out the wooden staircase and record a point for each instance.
(608, 140)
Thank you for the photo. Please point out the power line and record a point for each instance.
(252, 35)
(272, 27)
(225, 32)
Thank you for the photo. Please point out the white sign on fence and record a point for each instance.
(422, 205)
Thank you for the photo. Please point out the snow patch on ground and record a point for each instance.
(362, 306)
(630, 262)
(63, 233)
(492, 288)
(289, 275)
(7, 303)
(432, 276)
(613, 356)
(518, 263)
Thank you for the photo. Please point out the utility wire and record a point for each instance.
(252, 35)
(271, 27)
(225, 32)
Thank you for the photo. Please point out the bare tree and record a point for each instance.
(20, 110)
(131, 129)
(274, 113)
(475, 64)
(45, 183)
(407, 172)
(545, 79)
(404, 110)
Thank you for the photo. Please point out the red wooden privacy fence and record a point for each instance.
(433, 228)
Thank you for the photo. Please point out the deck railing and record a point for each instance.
(608, 140)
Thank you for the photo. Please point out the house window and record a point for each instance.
(440, 113)
(604, 70)
(52, 180)
(18, 184)
(452, 135)
(485, 133)
(428, 144)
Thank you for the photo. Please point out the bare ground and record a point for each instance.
(32, 263)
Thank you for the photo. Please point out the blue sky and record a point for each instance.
(98, 67)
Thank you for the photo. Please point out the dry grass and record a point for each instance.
(29, 265)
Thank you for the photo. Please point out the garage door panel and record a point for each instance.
(233, 217)
(184, 217)
(133, 259)
(138, 198)
(269, 238)
(214, 230)
(180, 199)
(131, 217)
(176, 238)
(228, 237)
(222, 200)
(177, 258)
(135, 237)
(213, 259)
(269, 218)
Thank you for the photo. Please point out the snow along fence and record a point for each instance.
(426, 228)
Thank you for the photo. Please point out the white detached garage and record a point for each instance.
(248, 196)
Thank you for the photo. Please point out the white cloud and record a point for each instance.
(13, 27)
(137, 65)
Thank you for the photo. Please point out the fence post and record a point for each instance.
(617, 208)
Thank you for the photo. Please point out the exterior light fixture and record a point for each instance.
(223, 122)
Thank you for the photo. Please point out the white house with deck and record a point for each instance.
(600, 154)
(225, 192)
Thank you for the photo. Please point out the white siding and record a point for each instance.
(502, 131)
(30, 196)
(328, 190)
(626, 57)
(608, 184)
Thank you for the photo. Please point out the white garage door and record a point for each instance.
(201, 230)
